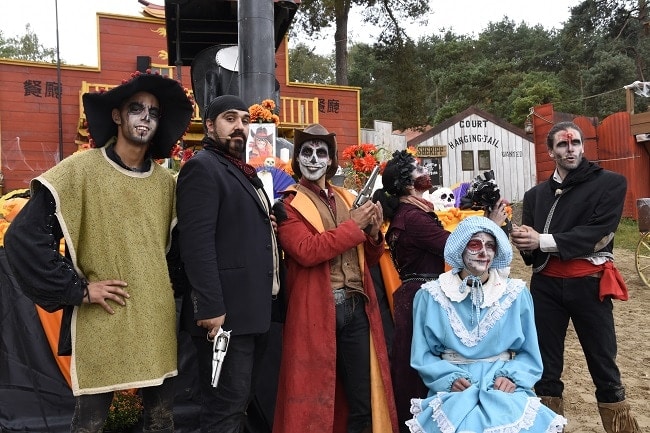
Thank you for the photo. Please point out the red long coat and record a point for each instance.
(309, 397)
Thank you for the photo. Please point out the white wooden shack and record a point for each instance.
(474, 141)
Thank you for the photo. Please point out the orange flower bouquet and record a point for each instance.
(362, 159)
(264, 112)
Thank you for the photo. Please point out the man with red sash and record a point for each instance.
(567, 233)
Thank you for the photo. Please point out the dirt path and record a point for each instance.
(633, 333)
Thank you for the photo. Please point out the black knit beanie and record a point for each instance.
(223, 103)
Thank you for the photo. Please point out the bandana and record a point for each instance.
(248, 170)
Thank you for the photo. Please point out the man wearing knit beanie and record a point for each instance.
(228, 247)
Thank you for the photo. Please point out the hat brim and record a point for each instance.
(176, 111)
(301, 136)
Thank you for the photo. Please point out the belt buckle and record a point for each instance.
(339, 296)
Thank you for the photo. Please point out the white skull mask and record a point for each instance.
(269, 162)
(443, 198)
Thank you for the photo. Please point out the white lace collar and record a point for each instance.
(493, 288)
(445, 292)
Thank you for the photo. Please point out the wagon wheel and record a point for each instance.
(643, 258)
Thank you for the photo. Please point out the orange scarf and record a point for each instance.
(611, 282)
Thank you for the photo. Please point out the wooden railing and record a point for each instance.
(298, 112)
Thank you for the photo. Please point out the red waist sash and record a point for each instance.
(611, 281)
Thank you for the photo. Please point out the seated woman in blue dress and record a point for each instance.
(475, 344)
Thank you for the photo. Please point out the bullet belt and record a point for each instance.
(456, 358)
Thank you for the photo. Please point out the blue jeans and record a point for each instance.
(353, 360)
(91, 410)
(556, 301)
(223, 409)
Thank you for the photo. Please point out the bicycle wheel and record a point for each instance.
(643, 258)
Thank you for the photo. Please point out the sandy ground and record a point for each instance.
(633, 333)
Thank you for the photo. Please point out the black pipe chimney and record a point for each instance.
(256, 50)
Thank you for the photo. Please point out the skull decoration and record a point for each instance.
(442, 198)
(269, 162)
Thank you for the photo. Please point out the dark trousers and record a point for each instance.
(91, 410)
(556, 301)
(353, 360)
(223, 409)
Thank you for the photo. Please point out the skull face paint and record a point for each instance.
(479, 253)
(421, 178)
(138, 118)
(314, 159)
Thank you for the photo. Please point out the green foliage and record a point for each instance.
(305, 66)
(507, 69)
(388, 16)
(627, 234)
(26, 47)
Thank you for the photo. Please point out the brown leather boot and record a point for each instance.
(556, 404)
(617, 418)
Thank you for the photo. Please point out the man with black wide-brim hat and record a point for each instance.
(114, 207)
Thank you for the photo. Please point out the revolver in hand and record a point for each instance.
(219, 349)
(366, 192)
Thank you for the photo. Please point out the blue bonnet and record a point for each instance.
(459, 238)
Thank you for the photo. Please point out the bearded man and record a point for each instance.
(228, 248)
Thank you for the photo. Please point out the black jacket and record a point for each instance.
(588, 210)
(225, 244)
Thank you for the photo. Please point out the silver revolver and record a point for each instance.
(219, 349)
(366, 192)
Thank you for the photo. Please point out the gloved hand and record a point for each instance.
(279, 211)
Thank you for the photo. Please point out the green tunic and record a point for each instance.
(117, 225)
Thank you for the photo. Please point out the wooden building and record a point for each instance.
(34, 137)
(472, 142)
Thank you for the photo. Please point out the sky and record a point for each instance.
(77, 29)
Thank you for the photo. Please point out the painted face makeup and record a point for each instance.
(136, 109)
(314, 159)
(421, 178)
(476, 246)
(479, 253)
(567, 150)
(139, 118)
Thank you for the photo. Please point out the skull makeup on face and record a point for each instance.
(314, 159)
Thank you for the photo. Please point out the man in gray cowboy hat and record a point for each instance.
(333, 323)
(114, 208)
